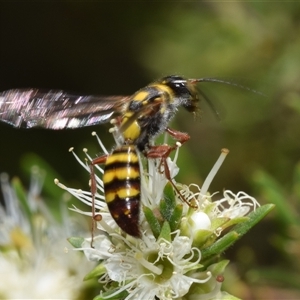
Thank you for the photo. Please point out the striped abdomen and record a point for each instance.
(122, 188)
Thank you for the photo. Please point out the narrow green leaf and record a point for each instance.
(175, 218)
(76, 242)
(165, 232)
(235, 221)
(21, 196)
(253, 218)
(30, 160)
(167, 204)
(96, 272)
(272, 191)
(276, 274)
(237, 232)
(203, 237)
(52, 194)
(152, 221)
(219, 267)
(219, 222)
(220, 245)
(169, 195)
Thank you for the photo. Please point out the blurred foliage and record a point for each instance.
(116, 48)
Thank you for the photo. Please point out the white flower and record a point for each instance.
(34, 259)
(166, 262)
(155, 267)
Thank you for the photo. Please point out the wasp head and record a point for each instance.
(185, 92)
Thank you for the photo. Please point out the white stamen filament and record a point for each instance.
(176, 152)
(106, 227)
(214, 171)
(78, 159)
(100, 142)
(95, 166)
(83, 196)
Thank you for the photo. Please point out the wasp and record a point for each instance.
(139, 119)
(148, 114)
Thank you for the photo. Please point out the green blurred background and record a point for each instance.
(113, 48)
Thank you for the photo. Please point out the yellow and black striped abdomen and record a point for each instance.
(122, 188)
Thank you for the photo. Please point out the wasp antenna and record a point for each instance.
(228, 83)
(211, 105)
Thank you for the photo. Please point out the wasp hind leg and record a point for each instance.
(93, 186)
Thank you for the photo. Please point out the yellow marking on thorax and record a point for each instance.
(133, 131)
(140, 96)
(166, 95)
(164, 89)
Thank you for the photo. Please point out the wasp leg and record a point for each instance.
(93, 183)
(163, 152)
(181, 137)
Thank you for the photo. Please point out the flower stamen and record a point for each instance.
(214, 171)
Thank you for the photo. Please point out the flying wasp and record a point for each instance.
(139, 119)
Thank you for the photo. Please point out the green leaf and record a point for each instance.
(175, 218)
(33, 163)
(203, 238)
(235, 221)
(253, 218)
(220, 245)
(152, 221)
(208, 209)
(272, 191)
(165, 232)
(31, 160)
(22, 196)
(237, 232)
(276, 274)
(76, 242)
(167, 204)
(169, 195)
(96, 272)
(219, 222)
(219, 267)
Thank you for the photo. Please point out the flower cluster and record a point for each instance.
(34, 259)
(173, 258)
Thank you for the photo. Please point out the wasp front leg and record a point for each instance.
(93, 183)
(162, 152)
(179, 136)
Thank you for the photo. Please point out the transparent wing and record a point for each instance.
(52, 109)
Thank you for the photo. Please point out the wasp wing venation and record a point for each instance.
(52, 109)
